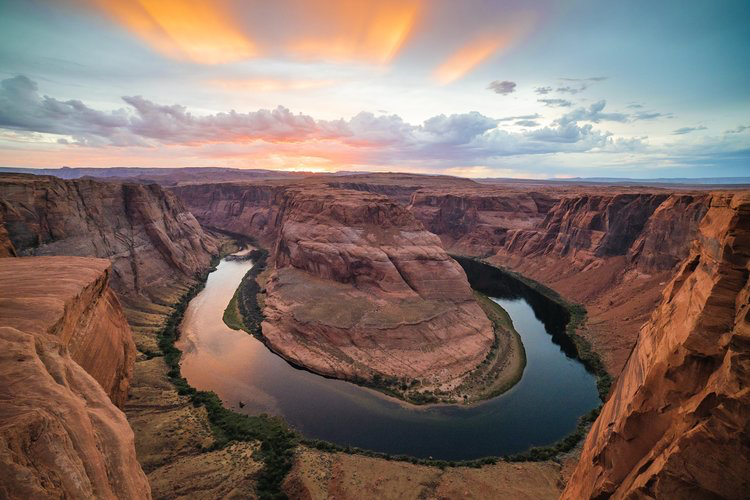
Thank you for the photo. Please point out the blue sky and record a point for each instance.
(476, 88)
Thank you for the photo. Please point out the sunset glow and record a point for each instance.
(536, 88)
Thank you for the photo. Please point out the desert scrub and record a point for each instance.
(277, 440)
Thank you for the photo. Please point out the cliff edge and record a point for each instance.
(676, 423)
(66, 360)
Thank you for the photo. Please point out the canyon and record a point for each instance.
(363, 261)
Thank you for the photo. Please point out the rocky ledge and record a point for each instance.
(66, 360)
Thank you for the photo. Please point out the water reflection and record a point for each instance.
(543, 407)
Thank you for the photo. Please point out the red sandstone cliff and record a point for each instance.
(676, 424)
(611, 251)
(152, 240)
(360, 287)
(66, 355)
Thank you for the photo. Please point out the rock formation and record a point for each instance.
(676, 424)
(66, 359)
(611, 251)
(360, 287)
(153, 242)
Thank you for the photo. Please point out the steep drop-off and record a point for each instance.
(65, 350)
(149, 237)
(677, 422)
(154, 243)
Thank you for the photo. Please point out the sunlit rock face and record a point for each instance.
(676, 424)
(360, 287)
(66, 361)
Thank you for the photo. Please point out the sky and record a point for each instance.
(529, 89)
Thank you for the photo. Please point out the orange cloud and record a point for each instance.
(368, 30)
(475, 52)
(467, 58)
(223, 31)
(198, 30)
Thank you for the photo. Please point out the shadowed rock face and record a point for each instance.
(66, 359)
(152, 241)
(360, 288)
(611, 249)
(676, 424)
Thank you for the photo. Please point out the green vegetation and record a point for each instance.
(277, 440)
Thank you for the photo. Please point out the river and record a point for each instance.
(542, 408)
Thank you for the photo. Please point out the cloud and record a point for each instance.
(382, 139)
(687, 130)
(593, 113)
(573, 90)
(505, 87)
(543, 90)
(589, 79)
(559, 103)
(650, 115)
(738, 129)
(634, 106)
(519, 117)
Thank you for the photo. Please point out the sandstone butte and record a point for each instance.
(360, 287)
(613, 249)
(66, 359)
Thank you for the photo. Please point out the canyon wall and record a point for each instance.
(676, 424)
(152, 240)
(612, 251)
(66, 359)
(360, 287)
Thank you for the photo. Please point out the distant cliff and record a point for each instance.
(676, 424)
(152, 240)
(66, 359)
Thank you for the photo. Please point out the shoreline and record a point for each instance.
(230, 425)
(506, 379)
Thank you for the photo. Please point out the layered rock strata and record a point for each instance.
(66, 360)
(676, 424)
(612, 251)
(360, 288)
(152, 240)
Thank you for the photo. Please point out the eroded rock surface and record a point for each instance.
(676, 424)
(611, 250)
(152, 240)
(360, 287)
(66, 349)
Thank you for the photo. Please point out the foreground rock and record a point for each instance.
(65, 350)
(319, 475)
(676, 424)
